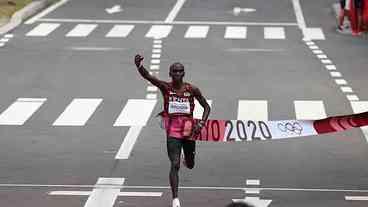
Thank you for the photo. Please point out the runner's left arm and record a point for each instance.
(198, 95)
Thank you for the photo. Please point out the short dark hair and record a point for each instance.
(239, 204)
(177, 64)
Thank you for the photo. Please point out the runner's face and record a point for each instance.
(177, 73)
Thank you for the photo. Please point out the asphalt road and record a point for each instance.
(45, 63)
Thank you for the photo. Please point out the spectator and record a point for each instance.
(344, 12)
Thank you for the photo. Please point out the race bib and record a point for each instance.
(179, 107)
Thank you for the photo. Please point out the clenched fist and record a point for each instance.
(138, 60)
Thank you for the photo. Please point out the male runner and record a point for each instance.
(178, 115)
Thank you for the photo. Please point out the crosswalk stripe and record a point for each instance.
(197, 32)
(159, 31)
(308, 110)
(360, 107)
(43, 29)
(81, 30)
(236, 33)
(136, 112)
(77, 112)
(252, 110)
(198, 109)
(120, 31)
(20, 111)
(274, 33)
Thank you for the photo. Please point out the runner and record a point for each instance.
(177, 117)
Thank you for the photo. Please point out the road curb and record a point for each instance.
(19, 16)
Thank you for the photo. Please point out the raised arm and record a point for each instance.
(145, 74)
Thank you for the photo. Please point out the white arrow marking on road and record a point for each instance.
(237, 10)
(114, 9)
(255, 201)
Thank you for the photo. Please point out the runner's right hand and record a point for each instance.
(138, 60)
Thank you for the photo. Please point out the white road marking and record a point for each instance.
(341, 82)
(274, 33)
(156, 50)
(317, 52)
(87, 193)
(314, 47)
(299, 14)
(346, 89)
(155, 61)
(359, 107)
(252, 110)
(309, 43)
(198, 109)
(2, 44)
(104, 197)
(252, 182)
(20, 111)
(314, 34)
(252, 191)
(45, 12)
(43, 29)
(356, 198)
(197, 32)
(173, 23)
(128, 143)
(81, 30)
(170, 18)
(157, 41)
(9, 36)
(326, 61)
(352, 97)
(154, 67)
(309, 110)
(152, 88)
(120, 31)
(330, 67)
(322, 56)
(151, 96)
(78, 112)
(159, 31)
(114, 9)
(335, 74)
(135, 113)
(4, 40)
(156, 55)
(235, 32)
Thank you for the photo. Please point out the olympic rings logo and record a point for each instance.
(290, 127)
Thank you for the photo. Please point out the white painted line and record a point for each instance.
(330, 67)
(128, 143)
(135, 113)
(252, 191)
(2, 44)
(252, 182)
(197, 32)
(151, 96)
(356, 198)
(253, 50)
(45, 12)
(20, 111)
(309, 43)
(159, 31)
(326, 61)
(103, 49)
(235, 32)
(114, 21)
(81, 30)
(78, 112)
(157, 41)
(314, 47)
(198, 109)
(156, 55)
(152, 88)
(314, 34)
(317, 52)
(87, 193)
(352, 97)
(104, 197)
(360, 107)
(322, 56)
(4, 40)
(120, 31)
(9, 36)
(346, 89)
(335, 74)
(341, 82)
(309, 110)
(170, 18)
(299, 14)
(157, 46)
(154, 67)
(155, 61)
(43, 29)
(252, 110)
(274, 33)
(156, 50)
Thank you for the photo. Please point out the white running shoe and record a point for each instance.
(176, 202)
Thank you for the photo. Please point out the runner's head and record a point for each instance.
(177, 71)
